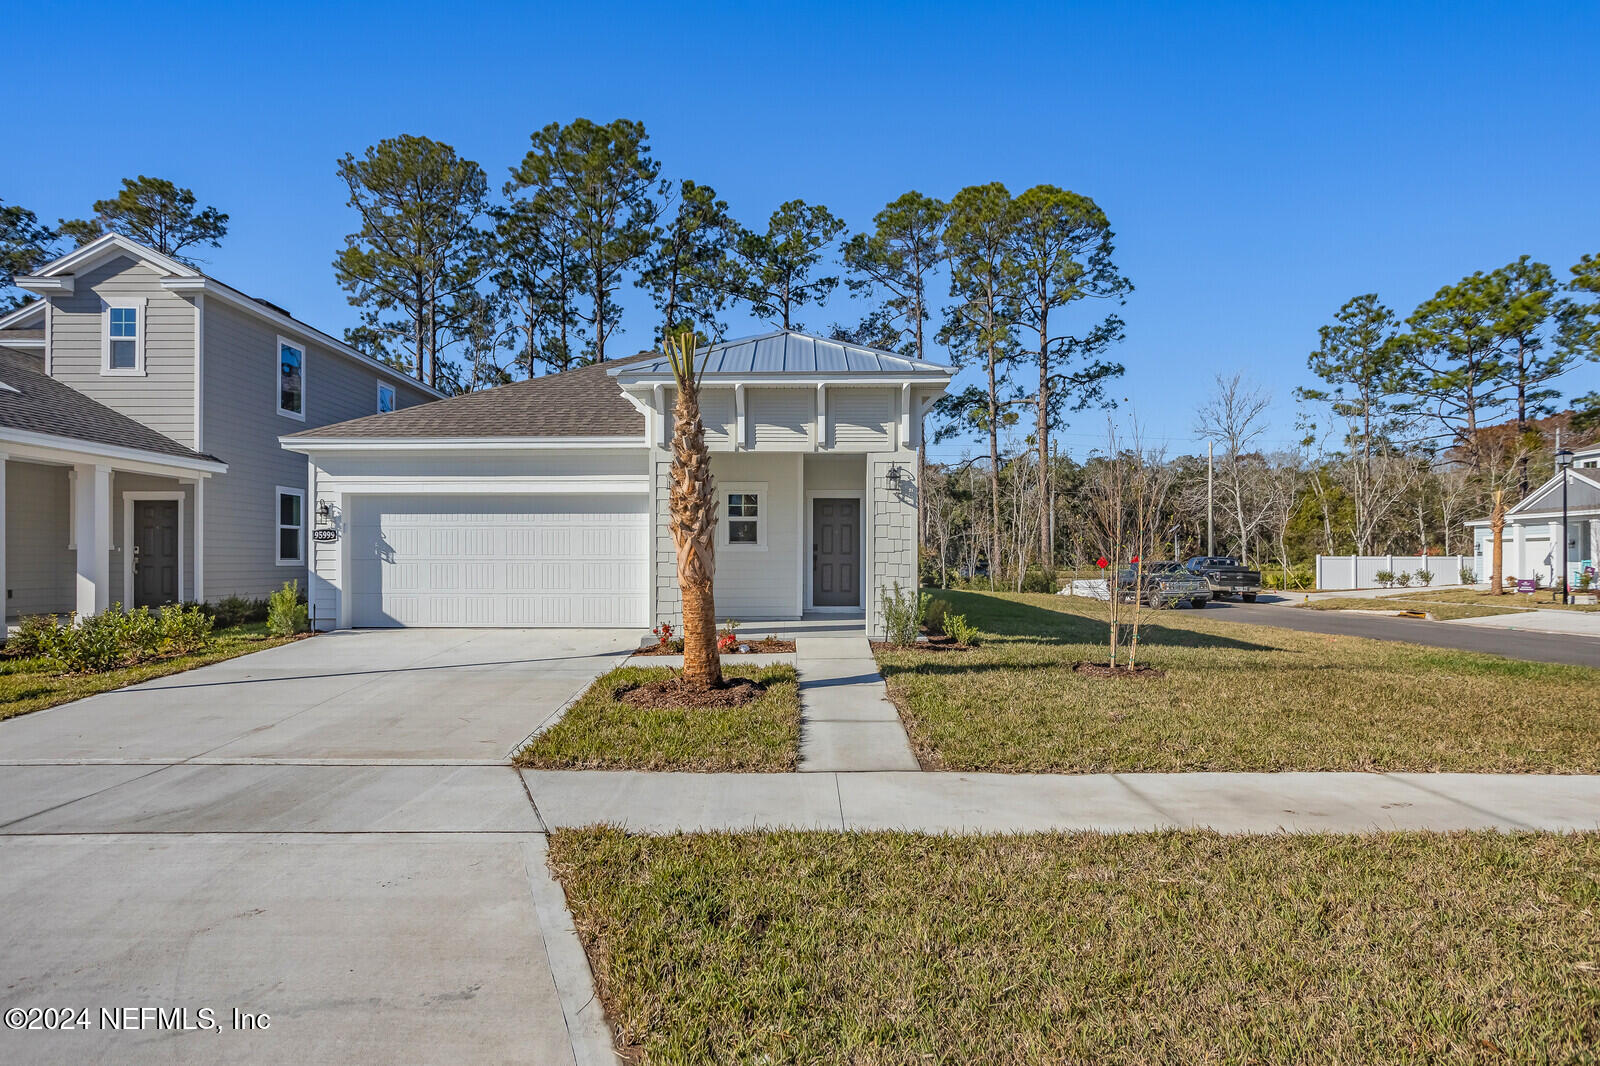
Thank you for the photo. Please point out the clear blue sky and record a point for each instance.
(1260, 163)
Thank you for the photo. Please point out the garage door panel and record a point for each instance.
(498, 561)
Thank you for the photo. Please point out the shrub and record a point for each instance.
(183, 629)
(934, 616)
(961, 631)
(36, 635)
(286, 613)
(1385, 577)
(1469, 576)
(236, 611)
(1039, 581)
(96, 643)
(1403, 578)
(730, 628)
(1424, 577)
(663, 634)
(902, 614)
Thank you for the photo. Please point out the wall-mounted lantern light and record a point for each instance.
(895, 476)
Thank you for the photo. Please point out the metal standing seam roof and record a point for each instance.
(788, 352)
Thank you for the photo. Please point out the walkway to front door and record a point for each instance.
(155, 552)
(835, 553)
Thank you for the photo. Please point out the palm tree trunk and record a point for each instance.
(694, 527)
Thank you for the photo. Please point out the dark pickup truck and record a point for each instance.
(1226, 577)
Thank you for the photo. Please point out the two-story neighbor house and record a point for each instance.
(545, 502)
(1531, 543)
(141, 404)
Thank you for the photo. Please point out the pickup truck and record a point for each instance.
(1226, 576)
(1161, 584)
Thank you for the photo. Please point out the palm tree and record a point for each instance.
(694, 518)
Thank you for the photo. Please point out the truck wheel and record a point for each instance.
(1248, 597)
(1197, 603)
(1152, 600)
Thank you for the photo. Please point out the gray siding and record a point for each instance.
(40, 568)
(242, 427)
(891, 533)
(163, 397)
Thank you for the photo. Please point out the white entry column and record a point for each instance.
(4, 595)
(92, 501)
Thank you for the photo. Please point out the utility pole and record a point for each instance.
(1211, 460)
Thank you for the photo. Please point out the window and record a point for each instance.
(291, 526)
(744, 518)
(291, 379)
(385, 398)
(124, 338)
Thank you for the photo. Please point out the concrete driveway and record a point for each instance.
(327, 833)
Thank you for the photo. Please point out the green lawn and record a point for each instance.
(1442, 610)
(1235, 697)
(600, 733)
(1527, 600)
(1173, 947)
(32, 684)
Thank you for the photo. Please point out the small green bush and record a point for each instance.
(961, 631)
(286, 613)
(934, 616)
(236, 611)
(36, 635)
(1469, 576)
(1403, 578)
(902, 614)
(1385, 577)
(1039, 581)
(183, 629)
(1424, 577)
(94, 644)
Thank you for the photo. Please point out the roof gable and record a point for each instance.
(109, 245)
(1583, 493)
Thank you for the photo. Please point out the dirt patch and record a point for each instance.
(764, 646)
(1104, 670)
(673, 692)
(939, 642)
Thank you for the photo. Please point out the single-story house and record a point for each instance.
(1531, 540)
(545, 502)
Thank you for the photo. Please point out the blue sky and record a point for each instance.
(1260, 163)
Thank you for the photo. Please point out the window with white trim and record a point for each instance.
(123, 341)
(291, 379)
(744, 516)
(385, 398)
(291, 527)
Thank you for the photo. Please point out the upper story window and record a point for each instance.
(291, 379)
(744, 525)
(385, 398)
(123, 341)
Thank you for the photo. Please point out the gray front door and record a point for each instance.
(155, 552)
(835, 553)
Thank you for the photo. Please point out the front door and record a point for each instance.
(155, 552)
(835, 553)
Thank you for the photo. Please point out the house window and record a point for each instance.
(124, 338)
(291, 379)
(385, 398)
(744, 522)
(291, 526)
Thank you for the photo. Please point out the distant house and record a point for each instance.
(141, 403)
(545, 502)
(1531, 541)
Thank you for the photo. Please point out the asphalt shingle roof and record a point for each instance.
(586, 402)
(37, 403)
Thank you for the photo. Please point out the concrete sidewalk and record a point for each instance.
(1543, 620)
(1113, 803)
(846, 720)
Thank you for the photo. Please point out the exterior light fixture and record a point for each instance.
(1563, 462)
(324, 511)
(895, 476)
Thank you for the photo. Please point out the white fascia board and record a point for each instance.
(17, 318)
(457, 485)
(796, 380)
(42, 286)
(429, 444)
(52, 442)
(200, 285)
(114, 244)
(20, 343)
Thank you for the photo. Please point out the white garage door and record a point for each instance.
(498, 561)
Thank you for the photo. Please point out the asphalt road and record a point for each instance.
(1515, 644)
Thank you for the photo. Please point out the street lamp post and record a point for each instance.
(1563, 461)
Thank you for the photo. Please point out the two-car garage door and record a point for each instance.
(489, 560)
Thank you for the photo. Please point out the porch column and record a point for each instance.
(1593, 555)
(199, 541)
(1558, 548)
(92, 500)
(1518, 568)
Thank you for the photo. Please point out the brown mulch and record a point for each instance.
(673, 692)
(766, 645)
(1103, 670)
(937, 642)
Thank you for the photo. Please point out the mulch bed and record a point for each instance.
(935, 642)
(672, 692)
(1104, 670)
(766, 646)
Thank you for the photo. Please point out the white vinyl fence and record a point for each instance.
(1361, 571)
